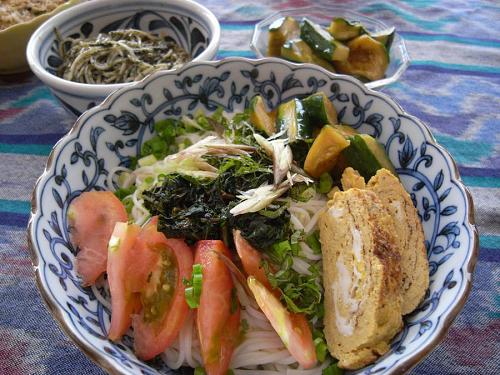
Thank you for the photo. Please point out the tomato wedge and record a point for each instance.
(218, 315)
(146, 256)
(164, 308)
(293, 329)
(92, 217)
(251, 260)
(121, 253)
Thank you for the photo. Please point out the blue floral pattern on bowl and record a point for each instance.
(111, 133)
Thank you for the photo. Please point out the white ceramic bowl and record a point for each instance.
(190, 24)
(112, 132)
(399, 58)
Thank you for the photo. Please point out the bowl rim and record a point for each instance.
(107, 363)
(92, 90)
(406, 60)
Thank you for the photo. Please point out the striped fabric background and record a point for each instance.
(453, 84)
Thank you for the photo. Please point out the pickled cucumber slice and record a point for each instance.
(298, 51)
(368, 59)
(260, 118)
(320, 109)
(385, 37)
(293, 119)
(367, 156)
(280, 31)
(343, 30)
(322, 42)
(325, 151)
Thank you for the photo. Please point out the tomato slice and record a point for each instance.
(164, 308)
(251, 260)
(121, 254)
(147, 242)
(293, 329)
(92, 217)
(218, 315)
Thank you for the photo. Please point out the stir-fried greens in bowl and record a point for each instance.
(233, 223)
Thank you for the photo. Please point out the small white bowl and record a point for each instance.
(399, 58)
(190, 24)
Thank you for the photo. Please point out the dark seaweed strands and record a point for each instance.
(117, 57)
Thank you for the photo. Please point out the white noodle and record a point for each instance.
(259, 372)
(314, 221)
(308, 253)
(296, 222)
(259, 357)
(301, 214)
(301, 266)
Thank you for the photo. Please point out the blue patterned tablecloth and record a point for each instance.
(453, 84)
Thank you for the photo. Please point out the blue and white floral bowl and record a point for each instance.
(109, 134)
(188, 23)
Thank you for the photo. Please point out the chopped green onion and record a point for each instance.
(296, 236)
(124, 192)
(192, 292)
(302, 192)
(147, 160)
(333, 369)
(244, 326)
(294, 241)
(199, 371)
(321, 349)
(313, 242)
(273, 214)
(281, 249)
(230, 372)
(325, 183)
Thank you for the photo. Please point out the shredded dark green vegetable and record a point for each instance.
(117, 57)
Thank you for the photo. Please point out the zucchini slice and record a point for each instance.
(320, 109)
(343, 30)
(325, 151)
(385, 37)
(368, 59)
(292, 118)
(346, 130)
(260, 118)
(322, 42)
(298, 51)
(280, 31)
(367, 156)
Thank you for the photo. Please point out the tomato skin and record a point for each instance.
(121, 253)
(149, 238)
(251, 260)
(218, 328)
(293, 329)
(92, 217)
(152, 338)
